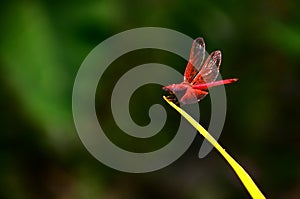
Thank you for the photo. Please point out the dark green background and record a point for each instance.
(42, 44)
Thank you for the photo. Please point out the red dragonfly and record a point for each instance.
(198, 76)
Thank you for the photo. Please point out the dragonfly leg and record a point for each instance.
(173, 99)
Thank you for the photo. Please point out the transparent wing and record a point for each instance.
(210, 70)
(196, 59)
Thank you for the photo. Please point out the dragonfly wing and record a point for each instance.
(196, 59)
(210, 70)
(193, 96)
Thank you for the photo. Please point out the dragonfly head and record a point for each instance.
(175, 88)
(168, 88)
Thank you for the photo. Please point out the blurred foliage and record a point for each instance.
(42, 44)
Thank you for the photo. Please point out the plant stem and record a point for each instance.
(241, 173)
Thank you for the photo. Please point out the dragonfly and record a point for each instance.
(200, 75)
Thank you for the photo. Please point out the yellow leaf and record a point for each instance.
(241, 173)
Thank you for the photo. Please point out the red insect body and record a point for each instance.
(212, 84)
(198, 75)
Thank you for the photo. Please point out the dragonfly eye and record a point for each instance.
(167, 88)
